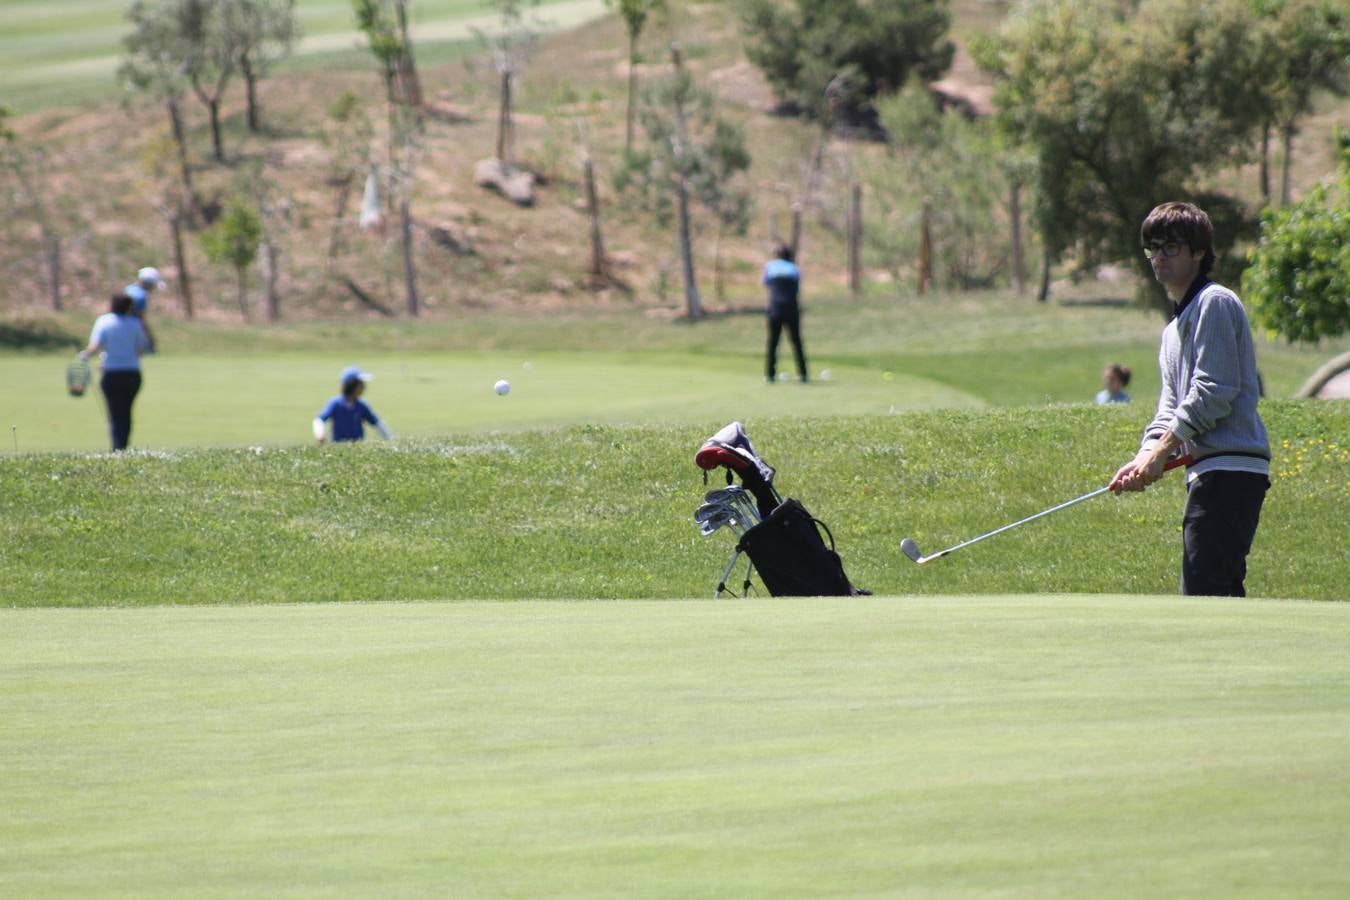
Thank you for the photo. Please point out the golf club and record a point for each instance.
(911, 549)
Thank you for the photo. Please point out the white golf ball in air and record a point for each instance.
(502, 387)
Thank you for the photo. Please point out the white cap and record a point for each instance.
(150, 275)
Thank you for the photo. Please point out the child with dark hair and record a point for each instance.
(1114, 381)
(347, 411)
(1207, 408)
(120, 336)
(783, 279)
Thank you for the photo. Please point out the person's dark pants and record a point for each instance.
(120, 389)
(1222, 512)
(791, 320)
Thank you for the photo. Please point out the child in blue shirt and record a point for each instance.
(1114, 381)
(348, 412)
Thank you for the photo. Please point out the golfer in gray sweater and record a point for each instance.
(1206, 408)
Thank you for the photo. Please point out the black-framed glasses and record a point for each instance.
(1165, 248)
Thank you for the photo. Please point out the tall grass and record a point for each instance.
(605, 512)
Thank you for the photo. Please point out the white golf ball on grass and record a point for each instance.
(502, 387)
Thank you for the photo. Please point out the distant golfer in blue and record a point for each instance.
(348, 412)
(121, 337)
(784, 281)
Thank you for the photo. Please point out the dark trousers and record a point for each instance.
(120, 389)
(1222, 512)
(791, 320)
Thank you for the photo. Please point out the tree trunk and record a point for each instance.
(1265, 164)
(217, 145)
(242, 274)
(693, 304)
(180, 260)
(925, 250)
(251, 93)
(795, 242)
(1287, 134)
(504, 121)
(344, 193)
(407, 66)
(632, 91)
(719, 288)
(271, 262)
(1043, 294)
(598, 274)
(180, 142)
(409, 269)
(1019, 269)
(52, 245)
(855, 240)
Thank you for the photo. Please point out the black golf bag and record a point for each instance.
(785, 546)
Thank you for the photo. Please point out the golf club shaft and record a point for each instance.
(1171, 464)
(1044, 512)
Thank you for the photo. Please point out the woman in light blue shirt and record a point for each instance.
(122, 339)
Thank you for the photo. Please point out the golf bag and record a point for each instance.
(791, 557)
(785, 546)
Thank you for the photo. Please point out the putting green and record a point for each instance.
(1039, 746)
(225, 400)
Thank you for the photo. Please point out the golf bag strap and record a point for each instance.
(828, 532)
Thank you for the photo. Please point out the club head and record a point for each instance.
(717, 520)
(708, 510)
(728, 494)
(911, 549)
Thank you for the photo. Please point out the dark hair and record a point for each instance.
(1182, 222)
(784, 252)
(1121, 372)
(349, 386)
(121, 304)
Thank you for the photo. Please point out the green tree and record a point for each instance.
(939, 158)
(1307, 44)
(871, 47)
(25, 163)
(385, 24)
(510, 45)
(690, 155)
(634, 14)
(1298, 283)
(346, 136)
(211, 58)
(1126, 108)
(156, 64)
(233, 241)
(262, 32)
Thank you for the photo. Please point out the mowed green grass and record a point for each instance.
(1109, 746)
(218, 385)
(224, 399)
(69, 51)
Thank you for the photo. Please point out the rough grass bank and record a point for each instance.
(605, 512)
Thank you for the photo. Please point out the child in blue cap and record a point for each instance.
(348, 412)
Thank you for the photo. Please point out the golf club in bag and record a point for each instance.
(784, 541)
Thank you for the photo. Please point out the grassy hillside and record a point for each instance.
(102, 192)
(605, 512)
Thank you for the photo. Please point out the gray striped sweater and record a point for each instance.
(1210, 386)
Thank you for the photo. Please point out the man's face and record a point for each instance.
(1174, 264)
